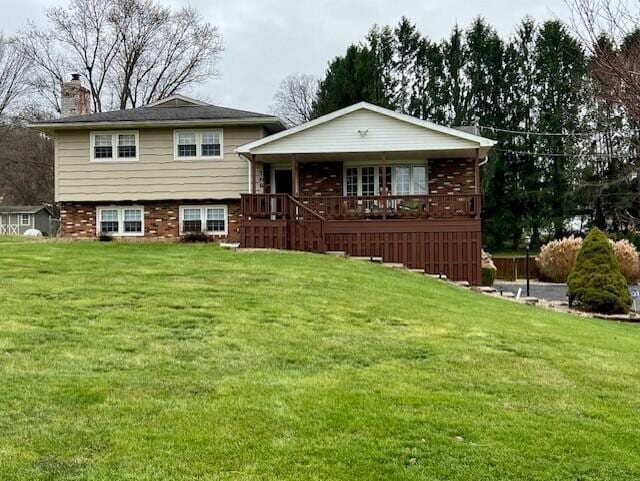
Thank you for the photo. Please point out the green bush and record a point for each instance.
(596, 282)
(488, 275)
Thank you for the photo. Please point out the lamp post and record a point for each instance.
(527, 244)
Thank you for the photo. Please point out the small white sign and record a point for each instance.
(635, 293)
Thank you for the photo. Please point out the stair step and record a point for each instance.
(462, 283)
(368, 258)
(337, 253)
(438, 276)
(394, 265)
(230, 245)
(417, 271)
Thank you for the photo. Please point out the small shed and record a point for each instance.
(17, 219)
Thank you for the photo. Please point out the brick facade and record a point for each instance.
(452, 176)
(320, 178)
(161, 218)
(446, 176)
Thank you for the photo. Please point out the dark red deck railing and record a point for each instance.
(432, 206)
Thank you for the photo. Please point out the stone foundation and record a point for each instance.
(161, 218)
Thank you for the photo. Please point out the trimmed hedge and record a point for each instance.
(596, 282)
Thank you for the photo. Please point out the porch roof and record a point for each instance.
(363, 132)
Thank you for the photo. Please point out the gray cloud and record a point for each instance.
(265, 40)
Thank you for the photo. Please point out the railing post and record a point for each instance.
(384, 186)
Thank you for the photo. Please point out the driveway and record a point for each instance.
(542, 290)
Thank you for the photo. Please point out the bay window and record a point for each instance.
(114, 146)
(198, 144)
(120, 221)
(209, 219)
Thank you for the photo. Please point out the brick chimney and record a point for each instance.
(75, 97)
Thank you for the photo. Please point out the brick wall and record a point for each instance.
(161, 219)
(446, 176)
(320, 178)
(452, 176)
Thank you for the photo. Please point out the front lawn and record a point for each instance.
(152, 361)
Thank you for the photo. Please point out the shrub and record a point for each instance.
(628, 260)
(557, 258)
(489, 270)
(488, 276)
(596, 282)
(195, 237)
(105, 237)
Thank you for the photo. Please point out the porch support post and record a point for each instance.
(477, 171)
(477, 202)
(384, 186)
(294, 175)
(253, 173)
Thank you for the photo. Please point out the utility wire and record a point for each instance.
(562, 154)
(543, 134)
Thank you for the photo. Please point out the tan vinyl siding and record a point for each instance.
(156, 175)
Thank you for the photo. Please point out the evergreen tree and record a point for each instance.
(349, 79)
(382, 43)
(428, 98)
(407, 42)
(560, 71)
(454, 55)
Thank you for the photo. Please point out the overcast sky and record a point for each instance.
(265, 40)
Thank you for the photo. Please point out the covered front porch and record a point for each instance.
(369, 182)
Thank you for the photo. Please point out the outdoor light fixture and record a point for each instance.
(527, 244)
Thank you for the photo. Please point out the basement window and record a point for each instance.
(114, 146)
(209, 219)
(121, 221)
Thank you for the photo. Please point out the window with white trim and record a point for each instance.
(25, 219)
(114, 146)
(401, 180)
(121, 220)
(210, 219)
(198, 144)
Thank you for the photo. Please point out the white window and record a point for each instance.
(198, 144)
(114, 146)
(351, 181)
(121, 221)
(210, 219)
(25, 219)
(401, 180)
(419, 179)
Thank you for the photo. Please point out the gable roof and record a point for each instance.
(469, 140)
(23, 209)
(172, 110)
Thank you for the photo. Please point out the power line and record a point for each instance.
(564, 154)
(543, 134)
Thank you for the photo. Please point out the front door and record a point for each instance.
(282, 181)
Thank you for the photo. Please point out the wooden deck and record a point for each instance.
(438, 233)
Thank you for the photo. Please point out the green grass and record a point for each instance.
(167, 361)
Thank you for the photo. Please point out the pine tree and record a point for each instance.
(407, 43)
(454, 54)
(349, 79)
(560, 65)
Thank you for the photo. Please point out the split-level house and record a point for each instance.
(363, 180)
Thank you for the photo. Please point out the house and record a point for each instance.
(17, 219)
(363, 180)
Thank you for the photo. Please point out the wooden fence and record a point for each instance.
(514, 268)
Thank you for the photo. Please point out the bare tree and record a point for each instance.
(26, 166)
(293, 102)
(13, 74)
(610, 32)
(129, 52)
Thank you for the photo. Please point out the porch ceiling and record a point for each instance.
(374, 156)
